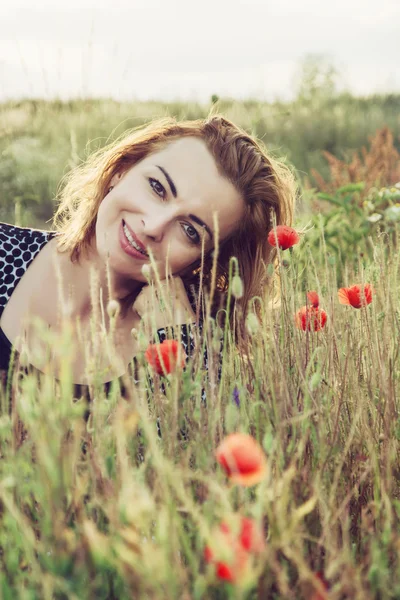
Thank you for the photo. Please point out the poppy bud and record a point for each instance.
(146, 270)
(252, 323)
(142, 340)
(113, 308)
(23, 358)
(237, 287)
(313, 299)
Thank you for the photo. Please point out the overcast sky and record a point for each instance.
(176, 49)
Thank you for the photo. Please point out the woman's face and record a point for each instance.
(165, 205)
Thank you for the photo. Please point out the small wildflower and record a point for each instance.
(236, 396)
(233, 551)
(283, 236)
(356, 295)
(166, 357)
(309, 318)
(242, 458)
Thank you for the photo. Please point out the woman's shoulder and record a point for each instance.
(18, 247)
(13, 236)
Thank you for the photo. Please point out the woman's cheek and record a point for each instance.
(182, 264)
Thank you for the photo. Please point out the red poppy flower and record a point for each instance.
(283, 236)
(323, 595)
(242, 458)
(313, 299)
(355, 295)
(166, 357)
(309, 318)
(233, 549)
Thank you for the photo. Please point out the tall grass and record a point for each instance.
(106, 508)
(94, 503)
(40, 141)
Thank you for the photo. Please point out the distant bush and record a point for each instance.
(377, 166)
(40, 140)
(349, 221)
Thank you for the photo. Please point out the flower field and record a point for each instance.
(283, 483)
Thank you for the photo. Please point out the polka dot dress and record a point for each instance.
(18, 248)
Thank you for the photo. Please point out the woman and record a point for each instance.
(166, 196)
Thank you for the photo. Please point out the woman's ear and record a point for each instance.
(196, 264)
(187, 270)
(115, 179)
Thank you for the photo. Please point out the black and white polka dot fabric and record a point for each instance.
(18, 248)
(187, 338)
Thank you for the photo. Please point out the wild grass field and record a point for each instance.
(41, 140)
(107, 508)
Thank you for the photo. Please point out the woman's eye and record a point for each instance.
(191, 233)
(157, 187)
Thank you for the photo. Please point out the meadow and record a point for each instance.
(106, 507)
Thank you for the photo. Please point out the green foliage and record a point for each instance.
(105, 508)
(347, 225)
(40, 141)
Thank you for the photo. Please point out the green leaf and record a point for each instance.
(315, 381)
(330, 199)
(268, 441)
(351, 187)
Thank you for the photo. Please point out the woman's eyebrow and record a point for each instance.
(200, 222)
(170, 182)
(175, 193)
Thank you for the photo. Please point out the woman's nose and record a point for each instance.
(154, 226)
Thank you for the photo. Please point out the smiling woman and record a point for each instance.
(162, 203)
(161, 206)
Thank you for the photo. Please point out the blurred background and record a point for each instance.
(318, 82)
(176, 50)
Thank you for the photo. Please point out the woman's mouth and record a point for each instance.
(129, 245)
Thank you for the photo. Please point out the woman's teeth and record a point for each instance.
(132, 241)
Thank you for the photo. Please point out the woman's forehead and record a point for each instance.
(191, 151)
(190, 166)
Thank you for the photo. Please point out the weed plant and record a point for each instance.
(106, 507)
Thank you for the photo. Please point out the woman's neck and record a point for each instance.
(89, 281)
